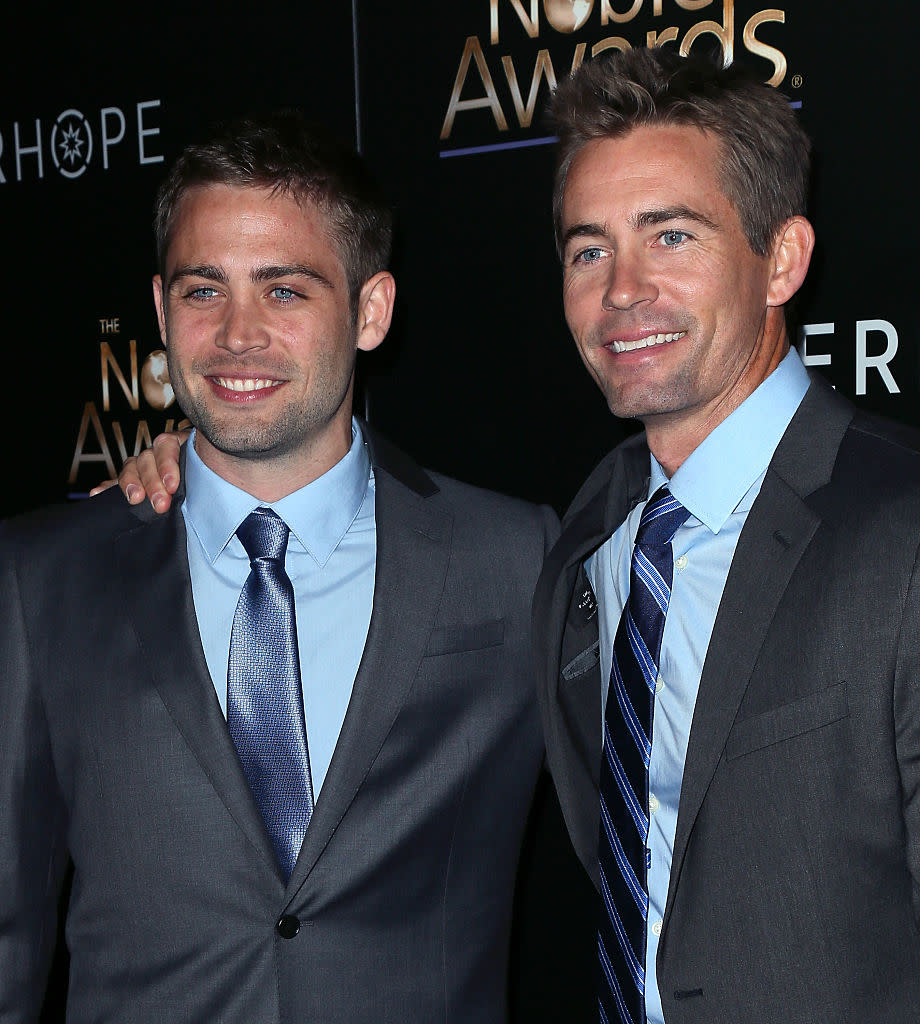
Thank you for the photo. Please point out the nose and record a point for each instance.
(630, 283)
(242, 329)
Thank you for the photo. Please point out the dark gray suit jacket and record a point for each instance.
(793, 894)
(115, 753)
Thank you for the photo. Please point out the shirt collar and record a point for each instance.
(318, 514)
(714, 479)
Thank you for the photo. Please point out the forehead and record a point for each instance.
(238, 221)
(672, 165)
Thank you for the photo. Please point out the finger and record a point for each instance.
(166, 454)
(129, 482)
(152, 482)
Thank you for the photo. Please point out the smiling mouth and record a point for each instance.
(647, 342)
(246, 383)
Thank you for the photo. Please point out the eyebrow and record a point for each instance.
(652, 217)
(583, 231)
(260, 275)
(273, 271)
(646, 219)
(206, 270)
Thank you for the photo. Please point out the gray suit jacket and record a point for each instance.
(793, 894)
(115, 753)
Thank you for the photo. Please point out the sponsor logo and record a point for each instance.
(506, 71)
(875, 346)
(71, 143)
(75, 141)
(130, 393)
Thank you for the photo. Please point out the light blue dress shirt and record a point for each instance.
(331, 559)
(717, 484)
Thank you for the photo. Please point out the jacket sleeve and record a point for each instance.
(33, 854)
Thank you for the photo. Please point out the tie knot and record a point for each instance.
(662, 517)
(263, 534)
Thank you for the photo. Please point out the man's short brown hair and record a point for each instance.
(765, 153)
(287, 154)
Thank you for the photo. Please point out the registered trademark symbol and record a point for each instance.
(796, 81)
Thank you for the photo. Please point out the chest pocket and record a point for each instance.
(787, 721)
(451, 639)
(582, 662)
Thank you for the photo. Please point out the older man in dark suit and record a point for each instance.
(730, 671)
(286, 731)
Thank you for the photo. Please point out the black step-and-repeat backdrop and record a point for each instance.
(479, 377)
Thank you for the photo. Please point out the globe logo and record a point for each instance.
(155, 381)
(567, 15)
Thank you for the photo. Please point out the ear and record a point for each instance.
(375, 309)
(158, 302)
(792, 250)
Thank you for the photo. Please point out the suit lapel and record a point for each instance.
(778, 529)
(413, 551)
(154, 576)
(576, 732)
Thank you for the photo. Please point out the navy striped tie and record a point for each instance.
(624, 766)
(264, 697)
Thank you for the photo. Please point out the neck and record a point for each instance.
(673, 437)
(272, 478)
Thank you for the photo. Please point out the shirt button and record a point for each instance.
(656, 929)
(288, 926)
(659, 685)
(653, 804)
(681, 563)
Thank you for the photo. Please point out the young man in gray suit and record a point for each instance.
(286, 731)
(728, 627)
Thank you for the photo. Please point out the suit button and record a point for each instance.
(288, 926)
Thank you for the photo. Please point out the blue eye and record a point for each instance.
(591, 255)
(673, 237)
(205, 291)
(283, 293)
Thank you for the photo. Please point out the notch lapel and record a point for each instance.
(573, 734)
(413, 551)
(154, 577)
(779, 528)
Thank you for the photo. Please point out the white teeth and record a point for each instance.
(246, 383)
(652, 339)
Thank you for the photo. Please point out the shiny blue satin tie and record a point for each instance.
(264, 697)
(623, 852)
